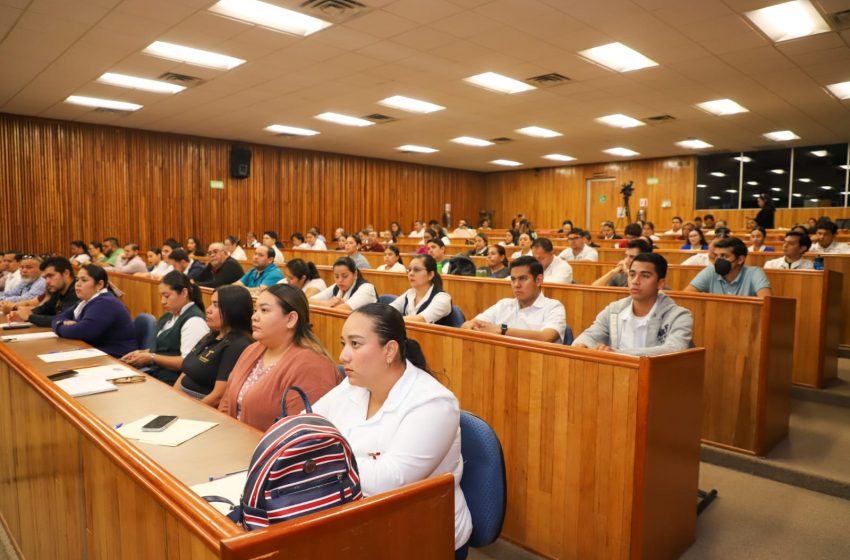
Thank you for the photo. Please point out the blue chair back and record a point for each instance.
(568, 336)
(484, 482)
(145, 326)
(386, 298)
(456, 317)
(341, 369)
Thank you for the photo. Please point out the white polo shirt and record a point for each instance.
(586, 254)
(700, 259)
(782, 264)
(632, 329)
(544, 313)
(835, 248)
(558, 272)
(365, 294)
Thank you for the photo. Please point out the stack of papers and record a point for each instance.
(80, 387)
(108, 372)
(16, 324)
(230, 487)
(66, 356)
(28, 336)
(180, 431)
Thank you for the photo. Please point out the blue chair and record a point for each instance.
(386, 298)
(568, 336)
(145, 326)
(341, 369)
(484, 482)
(456, 317)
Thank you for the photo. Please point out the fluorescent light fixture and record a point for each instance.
(700, 186)
(731, 190)
(189, 55)
(789, 20)
(826, 188)
(622, 152)
(840, 90)
(410, 104)
(102, 103)
(498, 82)
(417, 149)
(620, 121)
(270, 16)
(819, 153)
(718, 174)
(470, 141)
(781, 136)
(753, 183)
(294, 130)
(797, 195)
(745, 159)
(694, 144)
(756, 196)
(538, 132)
(506, 162)
(132, 82)
(774, 199)
(776, 189)
(343, 119)
(722, 107)
(618, 57)
(715, 198)
(804, 180)
(559, 157)
(778, 171)
(814, 199)
(845, 167)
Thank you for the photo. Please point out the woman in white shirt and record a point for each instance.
(425, 301)
(510, 238)
(480, 245)
(402, 424)
(79, 254)
(231, 245)
(313, 242)
(156, 265)
(303, 274)
(349, 290)
(757, 236)
(298, 241)
(524, 246)
(392, 260)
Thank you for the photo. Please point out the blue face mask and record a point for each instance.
(722, 267)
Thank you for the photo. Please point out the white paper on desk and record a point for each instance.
(71, 355)
(229, 487)
(14, 324)
(108, 373)
(28, 336)
(77, 387)
(180, 431)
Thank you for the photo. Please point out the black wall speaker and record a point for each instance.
(240, 163)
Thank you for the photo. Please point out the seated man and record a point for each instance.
(437, 249)
(708, 224)
(729, 276)
(180, 261)
(4, 271)
(130, 262)
(220, 269)
(372, 244)
(463, 230)
(793, 247)
(647, 322)
(649, 232)
(618, 276)
(528, 315)
(12, 262)
(677, 227)
(265, 271)
(579, 249)
(555, 270)
(703, 258)
(631, 231)
(112, 251)
(418, 229)
(58, 274)
(30, 289)
(826, 230)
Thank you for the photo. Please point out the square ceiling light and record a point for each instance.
(618, 57)
(789, 20)
(722, 107)
(498, 83)
(270, 16)
(620, 121)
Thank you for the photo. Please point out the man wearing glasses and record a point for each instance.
(32, 285)
(220, 269)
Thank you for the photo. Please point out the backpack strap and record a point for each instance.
(445, 321)
(359, 282)
(307, 408)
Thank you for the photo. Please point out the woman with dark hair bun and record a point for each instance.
(349, 290)
(497, 263)
(425, 301)
(207, 366)
(99, 318)
(303, 274)
(392, 260)
(402, 424)
(194, 247)
(178, 330)
(480, 242)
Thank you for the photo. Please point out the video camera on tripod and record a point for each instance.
(627, 190)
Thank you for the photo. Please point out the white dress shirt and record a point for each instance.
(13, 281)
(558, 272)
(518, 254)
(419, 233)
(588, 254)
(239, 254)
(700, 259)
(365, 294)
(130, 266)
(161, 269)
(415, 435)
(782, 264)
(319, 245)
(544, 313)
(192, 331)
(439, 307)
(397, 267)
(835, 248)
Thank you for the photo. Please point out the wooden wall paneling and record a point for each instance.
(775, 377)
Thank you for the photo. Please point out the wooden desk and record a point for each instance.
(72, 487)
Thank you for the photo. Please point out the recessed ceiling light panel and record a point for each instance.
(538, 132)
(132, 82)
(506, 162)
(471, 141)
(559, 157)
(620, 121)
(499, 83)
(840, 90)
(694, 144)
(102, 103)
(189, 55)
(781, 136)
(618, 57)
(819, 153)
(410, 104)
(346, 120)
(270, 16)
(294, 130)
(622, 152)
(789, 20)
(417, 149)
(722, 107)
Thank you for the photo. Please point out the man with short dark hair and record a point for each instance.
(677, 227)
(12, 270)
(644, 323)
(418, 229)
(373, 245)
(555, 270)
(729, 276)
(59, 281)
(265, 271)
(112, 251)
(529, 314)
(579, 249)
(180, 261)
(618, 276)
(631, 231)
(130, 262)
(220, 269)
(437, 249)
(793, 247)
(826, 230)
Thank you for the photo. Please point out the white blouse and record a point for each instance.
(519, 254)
(365, 294)
(439, 307)
(397, 267)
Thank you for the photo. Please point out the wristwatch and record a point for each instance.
(504, 328)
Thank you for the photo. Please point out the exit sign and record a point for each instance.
(216, 184)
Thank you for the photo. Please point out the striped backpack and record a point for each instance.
(302, 465)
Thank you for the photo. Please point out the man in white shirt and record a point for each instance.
(826, 231)
(555, 270)
(579, 249)
(418, 229)
(130, 262)
(703, 258)
(677, 227)
(794, 246)
(463, 230)
(12, 260)
(530, 314)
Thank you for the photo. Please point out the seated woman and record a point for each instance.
(696, 241)
(157, 266)
(311, 238)
(286, 353)
(480, 245)
(96, 253)
(297, 240)
(395, 231)
(425, 301)
(303, 274)
(178, 331)
(270, 239)
(231, 245)
(207, 366)
(758, 235)
(524, 245)
(511, 238)
(99, 318)
(392, 260)
(497, 263)
(352, 251)
(349, 290)
(402, 424)
(427, 236)
(79, 254)
(195, 248)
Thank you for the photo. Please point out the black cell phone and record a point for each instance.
(159, 423)
(62, 375)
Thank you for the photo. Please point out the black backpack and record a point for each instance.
(461, 265)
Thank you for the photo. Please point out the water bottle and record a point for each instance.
(818, 263)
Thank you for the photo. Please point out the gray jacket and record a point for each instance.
(670, 329)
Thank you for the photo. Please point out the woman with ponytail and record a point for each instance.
(286, 353)
(303, 274)
(401, 423)
(178, 331)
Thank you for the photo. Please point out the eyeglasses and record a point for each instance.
(415, 269)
